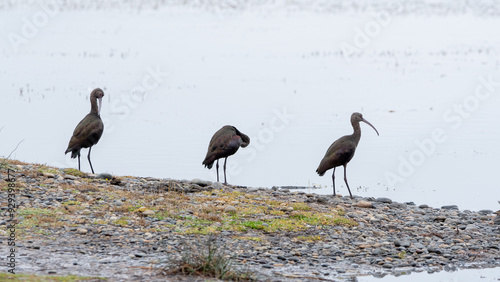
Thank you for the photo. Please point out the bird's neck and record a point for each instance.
(94, 109)
(357, 131)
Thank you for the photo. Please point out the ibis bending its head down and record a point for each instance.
(223, 144)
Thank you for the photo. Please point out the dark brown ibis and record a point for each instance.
(88, 132)
(342, 150)
(223, 144)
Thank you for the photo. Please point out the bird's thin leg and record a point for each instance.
(225, 180)
(333, 180)
(217, 167)
(345, 179)
(88, 157)
(79, 161)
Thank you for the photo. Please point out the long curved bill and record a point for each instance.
(365, 121)
(100, 106)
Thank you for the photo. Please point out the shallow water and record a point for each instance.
(280, 79)
(464, 275)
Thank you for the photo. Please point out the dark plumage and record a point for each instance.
(88, 132)
(223, 144)
(342, 150)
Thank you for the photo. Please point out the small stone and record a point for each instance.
(418, 246)
(402, 243)
(496, 220)
(423, 206)
(485, 212)
(82, 231)
(432, 249)
(322, 200)
(450, 207)
(49, 175)
(117, 203)
(440, 218)
(364, 204)
(148, 212)
(230, 209)
(388, 265)
(217, 185)
(70, 177)
(384, 200)
(471, 227)
(200, 182)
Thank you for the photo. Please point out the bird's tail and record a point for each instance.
(209, 165)
(321, 173)
(74, 153)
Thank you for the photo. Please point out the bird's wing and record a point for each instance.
(88, 130)
(339, 153)
(220, 146)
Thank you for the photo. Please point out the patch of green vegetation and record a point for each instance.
(122, 221)
(309, 239)
(276, 212)
(74, 172)
(273, 203)
(39, 219)
(40, 278)
(301, 207)
(100, 222)
(341, 212)
(259, 225)
(36, 211)
(202, 230)
(44, 168)
(402, 254)
(70, 203)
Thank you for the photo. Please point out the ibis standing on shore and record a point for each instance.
(342, 150)
(225, 142)
(88, 132)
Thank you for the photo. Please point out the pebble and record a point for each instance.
(70, 177)
(200, 182)
(217, 185)
(82, 231)
(148, 212)
(48, 175)
(450, 207)
(485, 212)
(496, 220)
(384, 200)
(230, 209)
(364, 204)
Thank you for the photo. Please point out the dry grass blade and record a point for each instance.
(207, 259)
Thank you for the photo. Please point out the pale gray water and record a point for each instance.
(281, 80)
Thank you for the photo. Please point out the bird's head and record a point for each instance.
(357, 117)
(97, 94)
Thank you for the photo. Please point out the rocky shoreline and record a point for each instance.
(130, 228)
